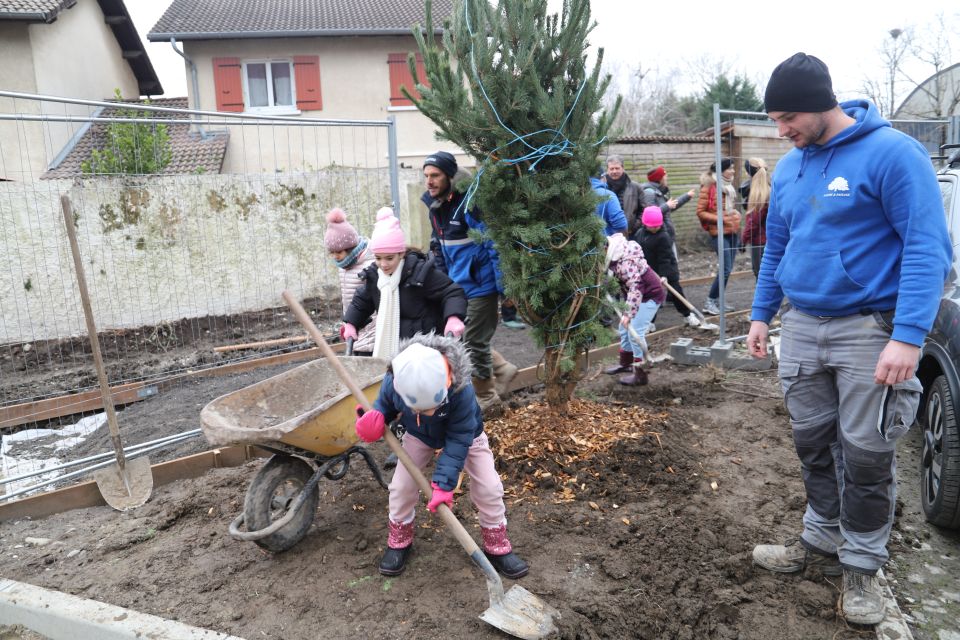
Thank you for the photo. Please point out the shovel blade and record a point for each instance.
(522, 615)
(126, 489)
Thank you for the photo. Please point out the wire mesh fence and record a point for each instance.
(190, 224)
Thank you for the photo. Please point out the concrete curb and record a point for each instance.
(61, 616)
(894, 625)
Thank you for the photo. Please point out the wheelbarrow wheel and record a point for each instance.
(272, 490)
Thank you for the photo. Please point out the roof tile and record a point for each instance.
(196, 19)
(191, 153)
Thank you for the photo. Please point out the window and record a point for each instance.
(400, 77)
(268, 85)
(283, 85)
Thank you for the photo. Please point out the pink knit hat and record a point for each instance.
(387, 235)
(652, 217)
(340, 234)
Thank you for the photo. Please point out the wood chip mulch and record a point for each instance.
(549, 443)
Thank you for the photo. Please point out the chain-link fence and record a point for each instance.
(190, 224)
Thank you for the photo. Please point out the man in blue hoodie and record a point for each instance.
(609, 209)
(857, 241)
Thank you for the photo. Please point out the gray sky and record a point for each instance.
(845, 35)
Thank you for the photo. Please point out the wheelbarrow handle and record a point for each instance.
(468, 543)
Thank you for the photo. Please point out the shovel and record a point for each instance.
(127, 484)
(516, 612)
(707, 326)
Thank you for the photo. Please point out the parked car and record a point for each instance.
(939, 372)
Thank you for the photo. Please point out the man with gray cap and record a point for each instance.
(857, 241)
(475, 267)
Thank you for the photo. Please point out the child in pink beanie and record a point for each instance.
(406, 290)
(351, 255)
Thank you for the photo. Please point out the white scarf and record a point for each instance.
(388, 314)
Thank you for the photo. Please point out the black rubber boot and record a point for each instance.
(626, 361)
(394, 561)
(637, 377)
(509, 565)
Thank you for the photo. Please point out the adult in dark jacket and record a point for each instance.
(656, 192)
(428, 297)
(475, 267)
(627, 191)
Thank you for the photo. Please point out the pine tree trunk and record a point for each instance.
(559, 385)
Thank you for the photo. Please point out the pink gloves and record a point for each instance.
(348, 331)
(439, 496)
(370, 425)
(454, 326)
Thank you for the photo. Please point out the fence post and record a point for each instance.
(721, 243)
(394, 164)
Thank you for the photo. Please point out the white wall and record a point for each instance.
(183, 246)
(354, 84)
(76, 56)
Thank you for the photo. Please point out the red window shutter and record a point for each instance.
(306, 73)
(227, 84)
(400, 77)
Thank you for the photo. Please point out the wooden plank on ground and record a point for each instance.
(50, 408)
(735, 275)
(86, 494)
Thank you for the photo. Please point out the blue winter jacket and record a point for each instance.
(455, 424)
(473, 265)
(857, 225)
(609, 209)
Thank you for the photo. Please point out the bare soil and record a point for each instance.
(655, 544)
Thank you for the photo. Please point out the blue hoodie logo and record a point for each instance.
(839, 187)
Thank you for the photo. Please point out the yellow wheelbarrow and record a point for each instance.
(306, 418)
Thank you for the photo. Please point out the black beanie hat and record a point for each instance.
(801, 83)
(725, 164)
(443, 161)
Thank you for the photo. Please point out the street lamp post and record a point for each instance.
(894, 60)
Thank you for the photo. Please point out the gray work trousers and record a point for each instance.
(482, 319)
(845, 429)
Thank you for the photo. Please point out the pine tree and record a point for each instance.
(521, 100)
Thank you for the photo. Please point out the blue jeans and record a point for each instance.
(639, 323)
(730, 243)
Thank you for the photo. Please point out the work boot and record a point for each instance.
(626, 361)
(399, 545)
(793, 557)
(862, 598)
(490, 403)
(499, 551)
(503, 373)
(637, 377)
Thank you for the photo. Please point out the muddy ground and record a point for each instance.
(655, 544)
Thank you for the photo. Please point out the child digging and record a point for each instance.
(428, 385)
(349, 252)
(658, 251)
(641, 287)
(408, 292)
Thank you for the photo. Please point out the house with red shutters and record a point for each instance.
(331, 59)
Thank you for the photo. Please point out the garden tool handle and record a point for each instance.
(349, 346)
(468, 543)
(685, 302)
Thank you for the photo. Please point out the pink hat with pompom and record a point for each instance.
(340, 234)
(387, 235)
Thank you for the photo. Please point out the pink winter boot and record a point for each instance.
(399, 544)
(497, 548)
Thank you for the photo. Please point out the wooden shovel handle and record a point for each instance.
(68, 222)
(467, 542)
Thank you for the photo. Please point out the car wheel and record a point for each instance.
(940, 458)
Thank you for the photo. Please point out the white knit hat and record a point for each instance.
(616, 245)
(420, 376)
